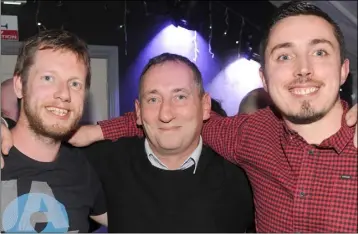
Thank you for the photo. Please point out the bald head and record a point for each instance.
(9, 106)
(254, 100)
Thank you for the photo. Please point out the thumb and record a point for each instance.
(5, 148)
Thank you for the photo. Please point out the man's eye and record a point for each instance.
(76, 84)
(47, 78)
(320, 53)
(283, 57)
(181, 97)
(152, 100)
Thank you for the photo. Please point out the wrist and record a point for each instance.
(98, 134)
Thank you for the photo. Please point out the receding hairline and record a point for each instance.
(141, 80)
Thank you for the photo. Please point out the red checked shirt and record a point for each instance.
(297, 187)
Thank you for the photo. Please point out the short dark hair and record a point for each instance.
(295, 8)
(258, 98)
(54, 39)
(217, 108)
(168, 57)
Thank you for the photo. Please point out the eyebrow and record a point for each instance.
(321, 41)
(180, 90)
(312, 43)
(281, 46)
(177, 90)
(154, 91)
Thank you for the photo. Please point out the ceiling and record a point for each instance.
(99, 21)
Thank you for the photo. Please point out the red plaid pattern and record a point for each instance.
(297, 187)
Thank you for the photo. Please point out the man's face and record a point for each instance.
(171, 109)
(303, 70)
(54, 95)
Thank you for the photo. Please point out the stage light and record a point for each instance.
(178, 37)
(14, 2)
(177, 40)
(184, 14)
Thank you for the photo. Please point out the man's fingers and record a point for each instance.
(352, 115)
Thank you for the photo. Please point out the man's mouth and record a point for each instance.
(302, 91)
(58, 111)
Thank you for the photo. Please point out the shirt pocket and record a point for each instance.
(343, 204)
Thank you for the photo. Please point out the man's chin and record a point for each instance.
(301, 119)
(55, 133)
(169, 146)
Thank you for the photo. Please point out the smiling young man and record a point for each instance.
(47, 186)
(300, 157)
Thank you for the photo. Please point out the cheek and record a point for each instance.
(149, 116)
(78, 100)
(278, 78)
(189, 114)
(36, 98)
(41, 92)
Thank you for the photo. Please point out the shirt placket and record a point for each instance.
(302, 196)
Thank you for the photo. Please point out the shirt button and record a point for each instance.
(311, 152)
(302, 194)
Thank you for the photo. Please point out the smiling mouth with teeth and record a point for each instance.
(304, 91)
(57, 111)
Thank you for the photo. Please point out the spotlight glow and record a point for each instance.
(176, 37)
(234, 82)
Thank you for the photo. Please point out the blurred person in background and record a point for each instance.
(254, 100)
(9, 103)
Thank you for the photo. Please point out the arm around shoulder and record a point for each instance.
(86, 135)
(124, 126)
(224, 134)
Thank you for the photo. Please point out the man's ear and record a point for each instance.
(263, 78)
(344, 71)
(18, 87)
(206, 105)
(137, 111)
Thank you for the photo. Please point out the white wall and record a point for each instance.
(97, 101)
(98, 97)
(7, 66)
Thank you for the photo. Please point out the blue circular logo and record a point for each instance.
(34, 211)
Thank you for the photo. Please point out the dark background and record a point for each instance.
(101, 23)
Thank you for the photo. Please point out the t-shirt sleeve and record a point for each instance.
(97, 155)
(99, 203)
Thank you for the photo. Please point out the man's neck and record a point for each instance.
(322, 129)
(173, 160)
(39, 148)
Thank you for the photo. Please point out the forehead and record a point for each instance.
(168, 74)
(58, 58)
(301, 29)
